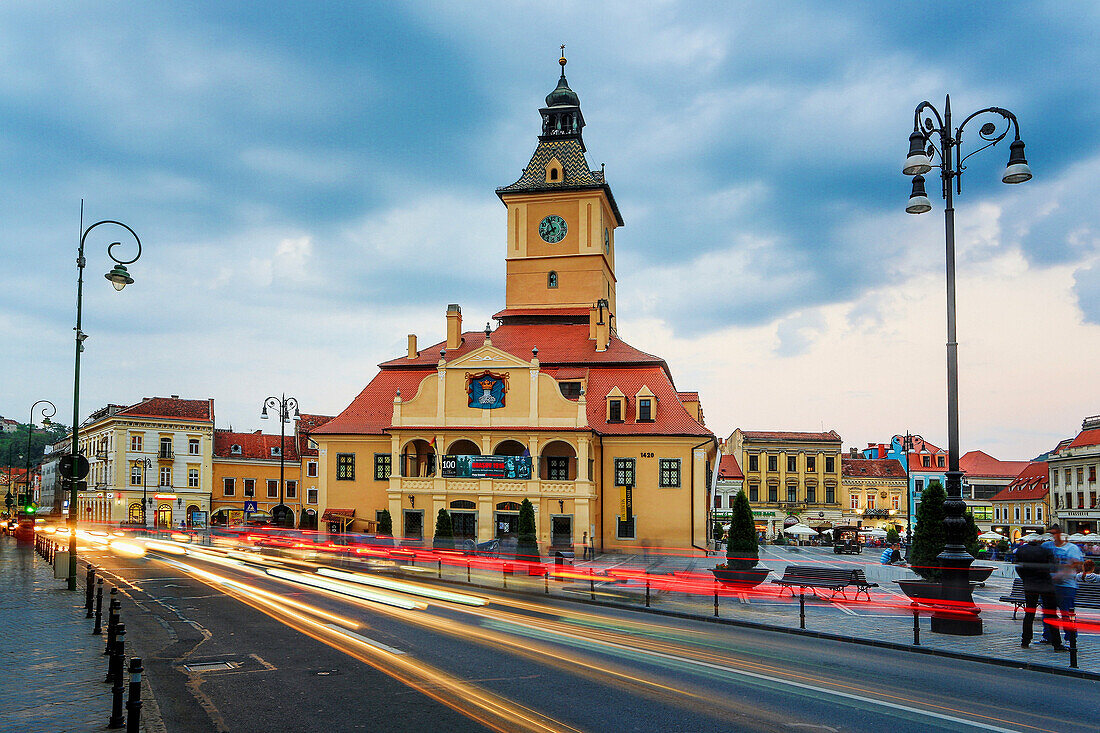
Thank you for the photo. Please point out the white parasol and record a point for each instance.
(991, 536)
(800, 529)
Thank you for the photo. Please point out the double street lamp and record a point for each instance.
(48, 411)
(119, 278)
(282, 514)
(908, 442)
(923, 152)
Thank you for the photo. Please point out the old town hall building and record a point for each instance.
(551, 406)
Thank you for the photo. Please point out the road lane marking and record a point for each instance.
(364, 640)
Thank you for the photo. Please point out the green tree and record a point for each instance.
(742, 550)
(892, 536)
(527, 548)
(385, 523)
(973, 546)
(718, 531)
(929, 537)
(444, 532)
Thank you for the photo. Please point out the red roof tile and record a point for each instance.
(980, 463)
(535, 312)
(305, 426)
(773, 435)
(1086, 438)
(371, 411)
(669, 418)
(728, 468)
(1032, 483)
(688, 396)
(254, 446)
(871, 467)
(172, 407)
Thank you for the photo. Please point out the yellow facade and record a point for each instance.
(875, 501)
(260, 472)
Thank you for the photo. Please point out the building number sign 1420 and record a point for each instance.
(647, 455)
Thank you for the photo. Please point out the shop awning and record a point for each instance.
(343, 516)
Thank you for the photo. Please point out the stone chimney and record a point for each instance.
(454, 326)
(413, 353)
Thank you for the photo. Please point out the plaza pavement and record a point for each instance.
(53, 665)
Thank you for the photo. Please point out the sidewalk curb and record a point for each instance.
(962, 656)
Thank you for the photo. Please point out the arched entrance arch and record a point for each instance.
(464, 447)
(509, 447)
(558, 461)
(308, 519)
(134, 513)
(417, 458)
(164, 516)
(191, 509)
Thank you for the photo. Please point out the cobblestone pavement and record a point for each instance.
(53, 665)
(886, 617)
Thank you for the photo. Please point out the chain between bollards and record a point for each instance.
(98, 607)
(133, 701)
(114, 674)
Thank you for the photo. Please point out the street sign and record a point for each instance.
(250, 506)
(70, 464)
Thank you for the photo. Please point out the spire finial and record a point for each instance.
(562, 60)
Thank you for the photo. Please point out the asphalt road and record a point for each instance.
(308, 658)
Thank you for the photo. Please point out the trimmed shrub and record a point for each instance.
(892, 536)
(717, 531)
(928, 539)
(742, 550)
(444, 531)
(527, 547)
(385, 523)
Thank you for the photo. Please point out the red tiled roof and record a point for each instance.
(254, 446)
(688, 396)
(306, 425)
(871, 467)
(980, 463)
(371, 411)
(773, 435)
(565, 373)
(558, 344)
(670, 417)
(728, 468)
(1032, 483)
(172, 407)
(1086, 438)
(511, 312)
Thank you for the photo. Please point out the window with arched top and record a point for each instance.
(552, 280)
(553, 174)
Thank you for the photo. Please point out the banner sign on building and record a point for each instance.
(513, 467)
(626, 502)
(486, 390)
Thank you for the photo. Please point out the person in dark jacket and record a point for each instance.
(1034, 564)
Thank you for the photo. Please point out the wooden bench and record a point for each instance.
(833, 579)
(1088, 596)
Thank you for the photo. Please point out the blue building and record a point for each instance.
(925, 463)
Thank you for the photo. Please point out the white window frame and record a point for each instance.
(311, 469)
(165, 476)
(272, 493)
(135, 474)
(311, 495)
(291, 488)
(193, 478)
(136, 443)
(193, 446)
(229, 486)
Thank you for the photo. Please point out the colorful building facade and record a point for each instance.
(1073, 481)
(1023, 506)
(874, 493)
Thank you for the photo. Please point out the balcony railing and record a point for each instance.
(165, 453)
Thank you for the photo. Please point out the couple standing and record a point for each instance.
(1048, 572)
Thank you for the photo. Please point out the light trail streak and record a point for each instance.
(405, 587)
(346, 589)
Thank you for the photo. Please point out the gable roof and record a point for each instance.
(728, 468)
(980, 463)
(1033, 482)
(871, 468)
(254, 446)
(171, 407)
(304, 427)
(774, 436)
(1085, 438)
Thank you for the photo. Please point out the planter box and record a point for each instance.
(741, 578)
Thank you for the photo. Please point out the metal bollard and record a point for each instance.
(801, 608)
(118, 688)
(113, 609)
(89, 591)
(591, 585)
(133, 701)
(439, 569)
(98, 607)
(716, 599)
(467, 571)
(916, 627)
(546, 580)
(1073, 651)
(504, 576)
(647, 592)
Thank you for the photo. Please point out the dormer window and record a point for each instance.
(276, 452)
(645, 409)
(615, 410)
(552, 280)
(554, 171)
(570, 390)
(234, 450)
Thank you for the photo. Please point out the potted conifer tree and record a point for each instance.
(527, 546)
(444, 532)
(742, 549)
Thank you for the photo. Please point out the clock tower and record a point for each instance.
(561, 219)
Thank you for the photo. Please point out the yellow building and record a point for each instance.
(246, 474)
(789, 477)
(1023, 506)
(158, 449)
(873, 492)
(551, 406)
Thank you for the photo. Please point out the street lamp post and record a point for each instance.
(908, 442)
(927, 121)
(119, 278)
(284, 405)
(48, 411)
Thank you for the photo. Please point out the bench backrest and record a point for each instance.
(1088, 595)
(816, 572)
(859, 577)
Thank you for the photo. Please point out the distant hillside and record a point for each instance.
(13, 446)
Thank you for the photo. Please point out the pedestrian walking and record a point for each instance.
(1035, 565)
(1068, 560)
(584, 542)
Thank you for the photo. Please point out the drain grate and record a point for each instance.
(210, 666)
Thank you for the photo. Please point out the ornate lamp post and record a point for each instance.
(284, 405)
(119, 278)
(48, 411)
(928, 122)
(907, 443)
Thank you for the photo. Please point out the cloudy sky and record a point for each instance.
(312, 181)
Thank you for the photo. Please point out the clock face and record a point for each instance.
(552, 229)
